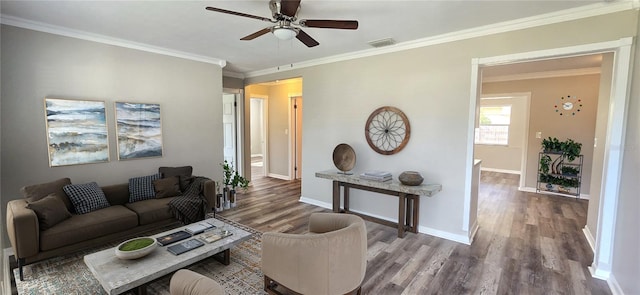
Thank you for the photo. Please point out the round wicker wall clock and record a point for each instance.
(387, 130)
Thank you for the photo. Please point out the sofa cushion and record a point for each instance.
(86, 197)
(50, 210)
(88, 226)
(141, 188)
(185, 173)
(150, 211)
(167, 187)
(36, 192)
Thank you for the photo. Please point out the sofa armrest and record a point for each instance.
(209, 192)
(23, 229)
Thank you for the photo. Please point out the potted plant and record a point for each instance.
(232, 179)
(572, 149)
(219, 198)
(545, 160)
(552, 145)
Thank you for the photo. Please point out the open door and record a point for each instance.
(229, 128)
(296, 140)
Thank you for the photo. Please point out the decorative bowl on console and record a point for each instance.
(136, 248)
(411, 178)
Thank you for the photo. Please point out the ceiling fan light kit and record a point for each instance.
(284, 16)
(284, 33)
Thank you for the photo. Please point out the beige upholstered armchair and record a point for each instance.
(331, 259)
(186, 282)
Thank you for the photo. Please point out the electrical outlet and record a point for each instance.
(538, 134)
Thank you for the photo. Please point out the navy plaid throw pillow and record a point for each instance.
(86, 197)
(141, 188)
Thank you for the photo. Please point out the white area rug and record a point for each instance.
(69, 275)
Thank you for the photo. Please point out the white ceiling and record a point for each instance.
(185, 26)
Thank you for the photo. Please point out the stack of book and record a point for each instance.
(376, 175)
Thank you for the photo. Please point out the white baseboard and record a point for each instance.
(533, 190)
(590, 240)
(278, 176)
(599, 273)
(614, 286)
(421, 229)
(500, 170)
(473, 232)
(316, 203)
(527, 189)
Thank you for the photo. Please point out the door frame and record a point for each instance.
(292, 135)
(265, 132)
(616, 123)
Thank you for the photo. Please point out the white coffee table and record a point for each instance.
(118, 276)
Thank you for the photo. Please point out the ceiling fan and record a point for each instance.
(285, 17)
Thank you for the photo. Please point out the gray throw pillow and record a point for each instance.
(86, 197)
(141, 188)
(36, 192)
(50, 210)
(167, 187)
(185, 173)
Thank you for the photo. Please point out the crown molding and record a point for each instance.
(542, 75)
(232, 74)
(576, 13)
(57, 30)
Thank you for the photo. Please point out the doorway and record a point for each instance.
(259, 154)
(616, 118)
(296, 137)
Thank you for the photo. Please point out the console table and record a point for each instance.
(408, 197)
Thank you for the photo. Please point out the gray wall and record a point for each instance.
(626, 257)
(545, 93)
(36, 65)
(233, 83)
(431, 85)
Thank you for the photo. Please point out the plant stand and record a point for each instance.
(558, 175)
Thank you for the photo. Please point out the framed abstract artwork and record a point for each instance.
(76, 132)
(139, 130)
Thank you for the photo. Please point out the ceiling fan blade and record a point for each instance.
(329, 24)
(306, 39)
(257, 34)
(289, 7)
(239, 14)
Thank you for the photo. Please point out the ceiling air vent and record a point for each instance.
(382, 42)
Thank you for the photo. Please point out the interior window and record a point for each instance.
(494, 125)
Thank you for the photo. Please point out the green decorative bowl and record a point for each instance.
(136, 248)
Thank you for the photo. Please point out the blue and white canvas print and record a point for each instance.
(139, 130)
(76, 132)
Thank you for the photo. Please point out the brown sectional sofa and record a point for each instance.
(119, 221)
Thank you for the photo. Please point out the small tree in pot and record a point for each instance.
(232, 180)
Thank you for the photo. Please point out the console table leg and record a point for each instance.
(346, 199)
(401, 214)
(336, 196)
(409, 214)
(416, 213)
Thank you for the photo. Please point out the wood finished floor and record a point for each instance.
(527, 243)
